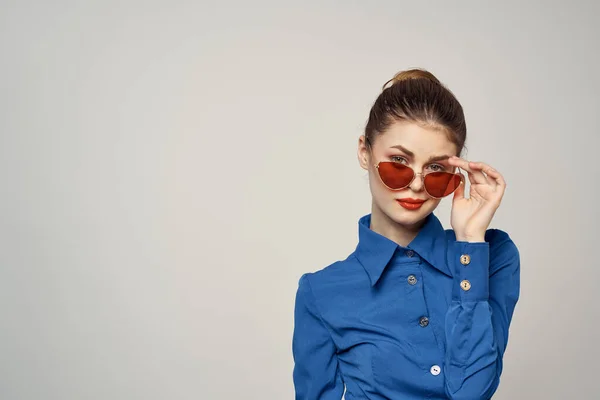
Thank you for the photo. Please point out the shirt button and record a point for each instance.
(424, 321)
(412, 279)
(410, 253)
(465, 259)
(435, 370)
(465, 285)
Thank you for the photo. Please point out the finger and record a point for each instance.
(476, 176)
(494, 176)
(459, 162)
(459, 193)
(480, 177)
(472, 178)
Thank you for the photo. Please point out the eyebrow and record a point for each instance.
(411, 154)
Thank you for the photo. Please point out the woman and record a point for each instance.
(416, 311)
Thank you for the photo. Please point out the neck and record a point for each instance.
(397, 232)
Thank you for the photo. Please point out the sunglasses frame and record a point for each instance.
(462, 179)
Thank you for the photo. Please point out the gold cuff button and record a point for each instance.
(465, 285)
(465, 259)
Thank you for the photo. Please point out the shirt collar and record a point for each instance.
(374, 251)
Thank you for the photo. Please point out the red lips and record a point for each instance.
(410, 204)
(411, 201)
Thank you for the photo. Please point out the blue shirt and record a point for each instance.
(426, 321)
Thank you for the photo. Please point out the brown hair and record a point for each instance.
(416, 95)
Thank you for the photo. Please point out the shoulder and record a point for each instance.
(331, 283)
(335, 273)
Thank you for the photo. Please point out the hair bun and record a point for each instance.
(414, 73)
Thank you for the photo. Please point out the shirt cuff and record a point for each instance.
(471, 267)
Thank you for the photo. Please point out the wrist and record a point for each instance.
(475, 238)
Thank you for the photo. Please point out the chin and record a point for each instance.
(402, 216)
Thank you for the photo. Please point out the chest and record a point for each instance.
(393, 332)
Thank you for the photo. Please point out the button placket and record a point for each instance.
(419, 315)
(412, 280)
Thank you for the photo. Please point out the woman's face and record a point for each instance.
(412, 145)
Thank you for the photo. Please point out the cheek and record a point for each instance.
(433, 203)
(375, 182)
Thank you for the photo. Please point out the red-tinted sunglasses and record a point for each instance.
(396, 176)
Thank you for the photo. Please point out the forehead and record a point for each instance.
(423, 141)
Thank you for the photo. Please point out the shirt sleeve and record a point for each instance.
(486, 280)
(316, 371)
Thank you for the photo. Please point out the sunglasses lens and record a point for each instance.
(395, 175)
(441, 184)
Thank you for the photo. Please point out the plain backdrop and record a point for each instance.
(169, 169)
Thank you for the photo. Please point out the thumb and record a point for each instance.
(459, 193)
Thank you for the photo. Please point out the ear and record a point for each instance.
(364, 158)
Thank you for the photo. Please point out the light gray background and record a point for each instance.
(169, 169)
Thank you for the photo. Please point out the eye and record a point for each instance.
(399, 159)
(437, 168)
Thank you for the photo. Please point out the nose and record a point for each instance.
(417, 184)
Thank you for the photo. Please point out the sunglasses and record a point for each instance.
(396, 176)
